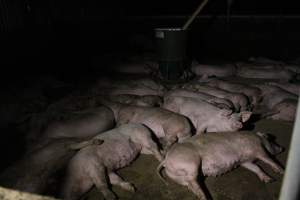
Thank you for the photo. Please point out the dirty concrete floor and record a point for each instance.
(239, 184)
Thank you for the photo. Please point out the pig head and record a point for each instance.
(226, 120)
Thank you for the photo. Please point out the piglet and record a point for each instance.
(94, 163)
(214, 154)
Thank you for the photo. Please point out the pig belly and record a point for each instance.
(218, 163)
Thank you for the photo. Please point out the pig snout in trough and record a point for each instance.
(93, 164)
(214, 154)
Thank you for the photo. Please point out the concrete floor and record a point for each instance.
(238, 184)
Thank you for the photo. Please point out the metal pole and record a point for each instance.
(191, 19)
(291, 182)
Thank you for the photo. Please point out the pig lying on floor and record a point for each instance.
(35, 170)
(284, 110)
(217, 153)
(253, 93)
(213, 70)
(165, 124)
(240, 101)
(205, 116)
(85, 124)
(136, 100)
(290, 87)
(219, 102)
(261, 72)
(93, 164)
(273, 95)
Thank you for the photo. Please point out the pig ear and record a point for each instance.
(245, 115)
(225, 112)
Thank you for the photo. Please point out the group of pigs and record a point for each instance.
(192, 129)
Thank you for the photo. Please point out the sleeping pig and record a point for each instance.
(219, 102)
(35, 171)
(273, 95)
(213, 70)
(217, 153)
(240, 101)
(205, 116)
(131, 99)
(165, 124)
(284, 110)
(264, 73)
(96, 164)
(85, 124)
(253, 93)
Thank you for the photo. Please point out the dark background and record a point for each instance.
(59, 34)
(60, 38)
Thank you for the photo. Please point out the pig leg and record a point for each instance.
(196, 189)
(75, 187)
(258, 171)
(189, 181)
(170, 139)
(117, 180)
(271, 163)
(99, 178)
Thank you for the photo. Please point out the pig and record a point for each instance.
(290, 87)
(284, 110)
(253, 93)
(273, 95)
(141, 86)
(213, 70)
(35, 170)
(215, 154)
(219, 102)
(131, 90)
(261, 73)
(168, 126)
(293, 68)
(206, 117)
(147, 82)
(240, 101)
(131, 99)
(265, 61)
(86, 124)
(140, 82)
(94, 163)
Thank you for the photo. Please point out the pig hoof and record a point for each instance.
(129, 187)
(267, 179)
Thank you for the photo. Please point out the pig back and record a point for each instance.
(221, 152)
(118, 152)
(154, 118)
